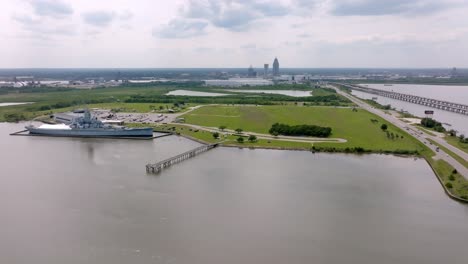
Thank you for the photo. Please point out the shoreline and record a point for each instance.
(439, 179)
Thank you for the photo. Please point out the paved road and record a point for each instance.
(419, 135)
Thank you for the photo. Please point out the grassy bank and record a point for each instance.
(231, 140)
(356, 127)
(454, 141)
(452, 182)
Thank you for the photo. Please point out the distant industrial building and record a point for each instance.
(238, 82)
(276, 71)
(251, 72)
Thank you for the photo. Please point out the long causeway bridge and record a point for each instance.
(439, 104)
(159, 166)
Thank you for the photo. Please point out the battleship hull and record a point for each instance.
(127, 132)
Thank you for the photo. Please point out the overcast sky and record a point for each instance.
(233, 33)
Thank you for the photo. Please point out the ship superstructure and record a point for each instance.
(89, 126)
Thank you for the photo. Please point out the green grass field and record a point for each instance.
(454, 141)
(355, 127)
(445, 172)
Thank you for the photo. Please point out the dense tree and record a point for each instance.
(216, 135)
(300, 130)
(222, 127)
(384, 127)
(238, 130)
(240, 139)
(252, 138)
(431, 123)
(452, 132)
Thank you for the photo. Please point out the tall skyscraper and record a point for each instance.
(265, 69)
(275, 67)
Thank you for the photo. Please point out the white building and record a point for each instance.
(238, 82)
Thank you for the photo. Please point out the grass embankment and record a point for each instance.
(453, 182)
(453, 155)
(229, 140)
(454, 141)
(356, 127)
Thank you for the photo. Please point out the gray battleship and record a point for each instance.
(89, 126)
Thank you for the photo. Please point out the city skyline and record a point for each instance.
(233, 34)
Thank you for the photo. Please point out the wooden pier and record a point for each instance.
(159, 166)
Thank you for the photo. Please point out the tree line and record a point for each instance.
(300, 130)
(431, 123)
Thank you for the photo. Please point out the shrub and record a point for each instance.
(252, 138)
(431, 123)
(240, 140)
(449, 185)
(216, 135)
(454, 171)
(451, 178)
(384, 127)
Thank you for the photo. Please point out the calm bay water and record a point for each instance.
(293, 93)
(194, 93)
(9, 104)
(69, 200)
(450, 93)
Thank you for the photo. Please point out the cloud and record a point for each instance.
(235, 15)
(51, 8)
(389, 7)
(270, 9)
(234, 19)
(126, 15)
(250, 46)
(39, 27)
(99, 18)
(181, 28)
(304, 35)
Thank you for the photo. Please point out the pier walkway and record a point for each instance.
(439, 104)
(159, 166)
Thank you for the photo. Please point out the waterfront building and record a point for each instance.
(238, 82)
(275, 67)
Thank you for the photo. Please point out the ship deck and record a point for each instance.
(26, 133)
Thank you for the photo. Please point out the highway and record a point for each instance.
(419, 135)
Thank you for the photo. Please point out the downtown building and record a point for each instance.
(276, 67)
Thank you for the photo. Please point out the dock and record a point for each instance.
(159, 166)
